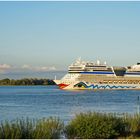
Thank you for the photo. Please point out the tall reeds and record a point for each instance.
(132, 125)
(31, 129)
(83, 126)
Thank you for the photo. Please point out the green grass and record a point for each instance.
(84, 126)
(50, 128)
(132, 125)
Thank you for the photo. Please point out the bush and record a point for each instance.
(95, 125)
(31, 129)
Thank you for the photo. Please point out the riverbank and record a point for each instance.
(83, 126)
(26, 82)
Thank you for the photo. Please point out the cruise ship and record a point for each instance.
(97, 75)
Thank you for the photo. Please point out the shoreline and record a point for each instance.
(26, 82)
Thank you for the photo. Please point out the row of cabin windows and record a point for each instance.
(121, 82)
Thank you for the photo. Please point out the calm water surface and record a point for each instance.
(45, 101)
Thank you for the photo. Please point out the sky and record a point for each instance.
(49, 36)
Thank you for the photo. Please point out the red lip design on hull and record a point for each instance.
(61, 86)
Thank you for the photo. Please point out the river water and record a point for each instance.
(46, 101)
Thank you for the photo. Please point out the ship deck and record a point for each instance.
(109, 79)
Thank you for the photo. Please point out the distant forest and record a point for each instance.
(26, 81)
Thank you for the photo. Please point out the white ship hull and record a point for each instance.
(85, 75)
(97, 86)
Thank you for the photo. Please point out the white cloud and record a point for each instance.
(53, 68)
(44, 68)
(4, 67)
(26, 66)
(38, 68)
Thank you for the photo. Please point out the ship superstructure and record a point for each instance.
(96, 75)
(133, 71)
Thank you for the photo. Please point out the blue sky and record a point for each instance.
(51, 35)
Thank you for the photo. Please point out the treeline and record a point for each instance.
(26, 81)
(83, 126)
